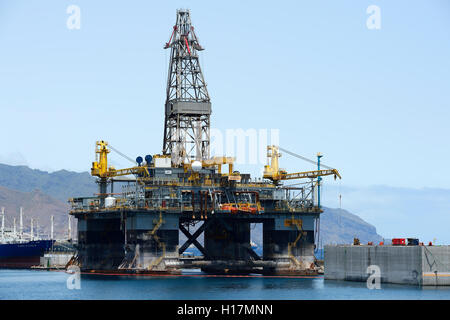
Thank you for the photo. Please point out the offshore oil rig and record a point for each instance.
(184, 189)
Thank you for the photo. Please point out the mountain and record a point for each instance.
(61, 185)
(336, 227)
(38, 206)
(339, 226)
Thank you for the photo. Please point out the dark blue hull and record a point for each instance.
(23, 255)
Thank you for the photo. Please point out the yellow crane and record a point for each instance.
(100, 166)
(100, 169)
(273, 172)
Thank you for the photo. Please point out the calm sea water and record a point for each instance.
(30, 284)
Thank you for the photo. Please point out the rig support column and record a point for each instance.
(288, 239)
(100, 242)
(228, 240)
(152, 242)
(102, 190)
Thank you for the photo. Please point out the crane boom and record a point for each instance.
(309, 174)
(124, 172)
(274, 173)
(100, 167)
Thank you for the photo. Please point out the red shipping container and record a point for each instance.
(399, 242)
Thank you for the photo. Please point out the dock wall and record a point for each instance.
(413, 265)
(55, 260)
(436, 265)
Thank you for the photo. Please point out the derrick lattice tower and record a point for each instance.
(188, 106)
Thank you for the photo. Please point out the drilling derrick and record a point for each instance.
(138, 230)
(188, 106)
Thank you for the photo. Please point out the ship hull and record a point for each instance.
(23, 255)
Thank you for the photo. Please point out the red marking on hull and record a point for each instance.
(166, 274)
(19, 262)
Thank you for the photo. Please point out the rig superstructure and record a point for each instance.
(185, 189)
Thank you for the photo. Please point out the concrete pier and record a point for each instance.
(54, 260)
(412, 265)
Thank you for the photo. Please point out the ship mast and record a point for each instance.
(51, 227)
(188, 106)
(31, 230)
(21, 223)
(69, 229)
(3, 223)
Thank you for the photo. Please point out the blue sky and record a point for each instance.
(375, 102)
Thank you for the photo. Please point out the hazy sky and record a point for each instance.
(397, 212)
(375, 102)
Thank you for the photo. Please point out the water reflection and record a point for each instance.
(52, 285)
(292, 284)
